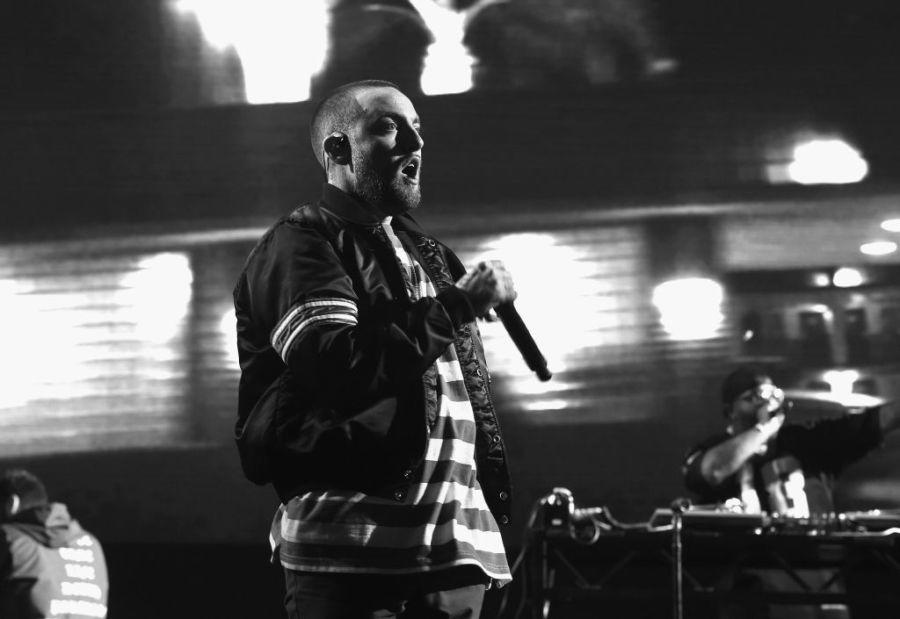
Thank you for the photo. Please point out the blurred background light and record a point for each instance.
(227, 331)
(526, 385)
(448, 63)
(841, 381)
(846, 277)
(826, 161)
(46, 329)
(95, 333)
(282, 44)
(821, 280)
(16, 329)
(219, 21)
(689, 308)
(158, 294)
(568, 306)
(819, 308)
(878, 248)
(891, 225)
(545, 405)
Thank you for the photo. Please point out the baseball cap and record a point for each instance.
(740, 380)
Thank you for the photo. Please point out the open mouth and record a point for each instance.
(411, 169)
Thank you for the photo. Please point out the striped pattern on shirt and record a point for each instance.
(439, 520)
(417, 284)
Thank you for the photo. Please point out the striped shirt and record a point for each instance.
(439, 520)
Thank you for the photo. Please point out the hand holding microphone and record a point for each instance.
(771, 402)
(490, 285)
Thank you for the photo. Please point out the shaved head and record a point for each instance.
(337, 111)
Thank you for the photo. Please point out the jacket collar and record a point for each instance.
(348, 208)
(352, 210)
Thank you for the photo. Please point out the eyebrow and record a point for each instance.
(395, 116)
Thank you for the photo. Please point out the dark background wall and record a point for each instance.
(605, 147)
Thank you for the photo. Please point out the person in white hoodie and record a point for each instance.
(49, 565)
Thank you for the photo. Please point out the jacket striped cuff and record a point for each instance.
(303, 316)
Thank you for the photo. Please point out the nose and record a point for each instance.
(412, 139)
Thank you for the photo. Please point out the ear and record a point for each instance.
(337, 148)
(728, 411)
(11, 505)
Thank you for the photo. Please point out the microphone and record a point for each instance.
(520, 336)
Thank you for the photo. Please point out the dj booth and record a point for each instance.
(700, 562)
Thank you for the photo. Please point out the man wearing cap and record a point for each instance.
(775, 467)
(766, 465)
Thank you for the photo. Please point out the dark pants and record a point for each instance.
(455, 593)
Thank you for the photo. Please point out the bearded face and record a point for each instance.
(384, 187)
(387, 152)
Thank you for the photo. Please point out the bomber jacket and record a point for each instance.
(338, 382)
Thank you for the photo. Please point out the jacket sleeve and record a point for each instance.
(694, 480)
(830, 445)
(690, 469)
(343, 355)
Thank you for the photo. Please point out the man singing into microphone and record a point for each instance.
(356, 336)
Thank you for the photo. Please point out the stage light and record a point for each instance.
(878, 248)
(847, 278)
(891, 225)
(689, 308)
(826, 161)
(282, 44)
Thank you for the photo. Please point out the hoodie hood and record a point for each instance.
(49, 525)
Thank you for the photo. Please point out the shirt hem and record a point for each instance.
(501, 579)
